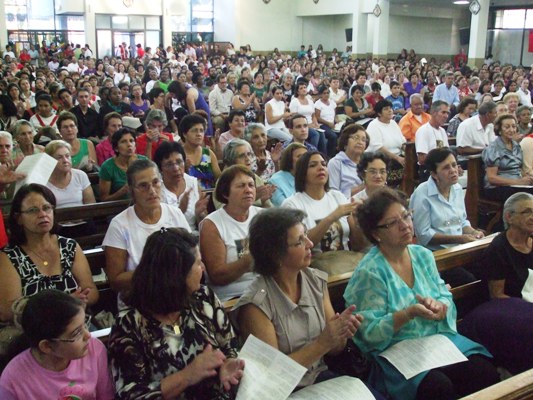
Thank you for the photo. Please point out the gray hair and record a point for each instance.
(20, 124)
(250, 128)
(486, 107)
(156, 115)
(138, 166)
(416, 96)
(510, 205)
(7, 135)
(55, 145)
(436, 105)
(521, 109)
(230, 151)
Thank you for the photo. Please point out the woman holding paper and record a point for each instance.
(174, 340)
(397, 289)
(288, 305)
(36, 258)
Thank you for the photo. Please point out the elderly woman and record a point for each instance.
(275, 115)
(507, 263)
(36, 258)
(202, 162)
(104, 149)
(128, 231)
(83, 154)
(23, 134)
(167, 344)
(386, 137)
(283, 180)
(511, 100)
(265, 163)
(147, 143)
(179, 188)
(305, 330)
(56, 328)
(465, 109)
(372, 170)
(397, 289)
(239, 151)
(329, 214)
(223, 233)
(503, 159)
(342, 168)
(112, 184)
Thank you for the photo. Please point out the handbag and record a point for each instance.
(351, 361)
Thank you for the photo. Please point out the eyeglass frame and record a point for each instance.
(47, 208)
(86, 326)
(146, 186)
(408, 214)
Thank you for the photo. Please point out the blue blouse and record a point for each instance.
(285, 187)
(509, 162)
(343, 174)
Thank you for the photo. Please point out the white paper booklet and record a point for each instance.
(268, 373)
(341, 388)
(37, 167)
(413, 356)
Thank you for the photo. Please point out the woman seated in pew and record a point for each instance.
(265, 162)
(398, 291)
(36, 258)
(104, 149)
(223, 233)
(505, 324)
(63, 361)
(113, 181)
(440, 214)
(283, 180)
(503, 159)
(127, 233)
(239, 152)
(372, 169)
(178, 188)
(288, 304)
(71, 188)
(174, 340)
(83, 154)
(342, 168)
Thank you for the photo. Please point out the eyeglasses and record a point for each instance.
(245, 155)
(405, 218)
(374, 172)
(356, 138)
(171, 165)
(78, 333)
(47, 208)
(301, 242)
(146, 186)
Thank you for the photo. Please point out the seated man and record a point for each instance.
(220, 102)
(397, 100)
(477, 132)
(114, 104)
(431, 135)
(299, 129)
(415, 117)
(87, 117)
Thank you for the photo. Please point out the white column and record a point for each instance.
(3, 26)
(478, 35)
(359, 28)
(380, 46)
(90, 26)
(166, 23)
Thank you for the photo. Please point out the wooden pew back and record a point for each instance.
(410, 174)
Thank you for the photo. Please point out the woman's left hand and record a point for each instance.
(83, 295)
(276, 151)
(437, 309)
(231, 372)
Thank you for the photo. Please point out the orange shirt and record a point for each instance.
(409, 124)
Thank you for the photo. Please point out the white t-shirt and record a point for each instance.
(306, 110)
(428, 138)
(234, 235)
(191, 183)
(338, 234)
(72, 195)
(127, 232)
(327, 111)
(470, 133)
(385, 135)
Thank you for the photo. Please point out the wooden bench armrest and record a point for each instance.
(518, 387)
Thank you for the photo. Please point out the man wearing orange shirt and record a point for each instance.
(415, 117)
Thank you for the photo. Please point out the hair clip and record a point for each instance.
(163, 230)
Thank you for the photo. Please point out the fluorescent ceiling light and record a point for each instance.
(461, 2)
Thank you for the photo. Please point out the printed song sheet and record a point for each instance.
(413, 356)
(37, 167)
(341, 388)
(268, 373)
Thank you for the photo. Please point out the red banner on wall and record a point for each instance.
(530, 47)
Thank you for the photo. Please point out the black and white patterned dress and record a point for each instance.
(143, 351)
(33, 281)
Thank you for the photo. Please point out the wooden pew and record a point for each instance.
(518, 387)
(410, 174)
(474, 200)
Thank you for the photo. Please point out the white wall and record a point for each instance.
(117, 7)
(327, 30)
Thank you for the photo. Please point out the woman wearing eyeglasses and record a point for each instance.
(372, 169)
(36, 258)
(63, 361)
(127, 233)
(398, 291)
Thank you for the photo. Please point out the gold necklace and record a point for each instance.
(45, 263)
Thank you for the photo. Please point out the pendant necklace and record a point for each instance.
(45, 263)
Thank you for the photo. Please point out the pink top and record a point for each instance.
(104, 150)
(88, 377)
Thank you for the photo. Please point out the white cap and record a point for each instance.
(131, 122)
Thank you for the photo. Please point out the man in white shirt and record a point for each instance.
(431, 135)
(477, 132)
(524, 93)
(336, 94)
(220, 101)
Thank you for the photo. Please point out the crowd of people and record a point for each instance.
(241, 170)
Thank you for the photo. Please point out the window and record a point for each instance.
(514, 19)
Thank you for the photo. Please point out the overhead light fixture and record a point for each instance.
(461, 2)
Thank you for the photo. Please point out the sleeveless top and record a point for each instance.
(203, 171)
(136, 109)
(250, 115)
(33, 281)
(84, 151)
